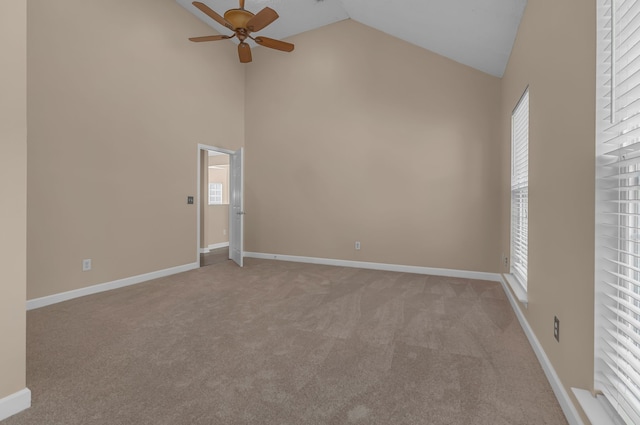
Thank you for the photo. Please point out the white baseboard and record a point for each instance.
(94, 289)
(569, 409)
(213, 246)
(15, 403)
(378, 266)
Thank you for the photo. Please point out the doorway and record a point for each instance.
(215, 209)
(220, 215)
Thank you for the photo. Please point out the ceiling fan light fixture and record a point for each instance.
(238, 17)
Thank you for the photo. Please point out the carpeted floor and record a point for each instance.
(215, 256)
(285, 343)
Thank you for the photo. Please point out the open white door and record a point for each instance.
(236, 213)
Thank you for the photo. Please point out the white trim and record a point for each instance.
(378, 266)
(517, 288)
(94, 289)
(595, 408)
(569, 409)
(214, 246)
(214, 148)
(15, 403)
(218, 245)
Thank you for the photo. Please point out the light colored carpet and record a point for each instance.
(215, 256)
(285, 343)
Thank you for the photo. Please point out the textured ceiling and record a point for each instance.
(477, 33)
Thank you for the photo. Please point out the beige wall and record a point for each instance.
(357, 135)
(217, 224)
(13, 191)
(555, 55)
(118, 81)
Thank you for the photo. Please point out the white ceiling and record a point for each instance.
(477, 33)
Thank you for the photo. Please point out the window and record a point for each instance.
(215, 193)
(520, 190)
(617, 337)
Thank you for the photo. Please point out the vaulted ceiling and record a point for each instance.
(477, 33)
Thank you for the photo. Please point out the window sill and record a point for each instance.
(596, 408)
(517, 288)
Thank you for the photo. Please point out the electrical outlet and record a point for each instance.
(86, 264)
(505, 261)
(224, 232)
(357, 245)
(189, 200)
(556, 328)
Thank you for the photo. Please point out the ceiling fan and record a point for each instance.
(243, 23)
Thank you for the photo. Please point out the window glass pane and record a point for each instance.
(215, 193)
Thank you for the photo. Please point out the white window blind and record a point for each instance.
(617, 351)
(520, 189)
(215, 193)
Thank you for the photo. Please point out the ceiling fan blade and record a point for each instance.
(274, 44)
(213, 15)
(244, 52)
(262, 19)
(211, 38)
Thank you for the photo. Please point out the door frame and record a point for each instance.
(201, 148)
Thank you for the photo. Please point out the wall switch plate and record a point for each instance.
(86, 265)
(189, 199)
(357, 245)
(556, 328)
